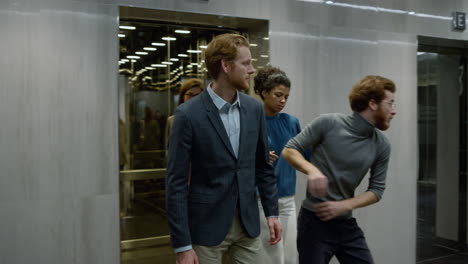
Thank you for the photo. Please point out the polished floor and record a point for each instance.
(430, 249)
(145, 219)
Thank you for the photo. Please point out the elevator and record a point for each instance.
(442, 132)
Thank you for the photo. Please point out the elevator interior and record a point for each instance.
(160, 50)
(442, 130)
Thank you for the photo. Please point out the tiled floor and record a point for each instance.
(432, 250)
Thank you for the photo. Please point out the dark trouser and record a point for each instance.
(319, 241)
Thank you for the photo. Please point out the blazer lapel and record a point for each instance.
(215, 119)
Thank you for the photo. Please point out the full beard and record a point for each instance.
(381, 122)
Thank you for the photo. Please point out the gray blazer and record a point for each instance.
(202, 213)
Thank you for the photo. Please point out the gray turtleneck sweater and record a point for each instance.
(344, 148)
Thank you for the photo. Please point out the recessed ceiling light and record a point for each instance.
(149, 48)
(158, 44)
(168, 38)
(141, 53)
(167, 62)
(182, 55)
(203, 46)
(133, 57)
(194, 51)
(127, 27)
(121, 35)
(181, 31)
(174, 59)
(158, 65)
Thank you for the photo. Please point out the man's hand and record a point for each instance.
(275, 230)
(317, 184)
(331, 209)
(187, 257)
(273, 157)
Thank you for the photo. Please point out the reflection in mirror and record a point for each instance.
(161, 65)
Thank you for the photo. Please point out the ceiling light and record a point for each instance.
(168, 38)
(126, 60)
(181, 31)
(194, 51)
(149, 48)
(267, 38)
(158, 44)
(121, 35)
(264, 56)
(253, 45)
(167, 62)
(254, 60)
(203, 46)
(141, 53)
(149, 68)
(127, 27)
(182, 55)
(133, 57)
(194, 63)
(174, 59)
(158, 65)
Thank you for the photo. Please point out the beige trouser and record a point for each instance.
(238, 247)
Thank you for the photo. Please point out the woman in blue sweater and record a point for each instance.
(273, 86)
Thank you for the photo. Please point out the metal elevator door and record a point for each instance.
(442, 121)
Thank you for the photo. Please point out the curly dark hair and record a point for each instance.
(268, 78)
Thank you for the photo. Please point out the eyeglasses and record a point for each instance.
(392, 104)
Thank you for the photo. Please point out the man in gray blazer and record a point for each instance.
(219, 139)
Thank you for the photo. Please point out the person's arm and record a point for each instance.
(378, 173)
(180, 142)
(331, 209)
(308, 138)
(316, 181)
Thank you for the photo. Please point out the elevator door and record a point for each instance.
(441, 216)
(159, 51)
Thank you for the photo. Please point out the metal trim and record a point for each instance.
(144, 242)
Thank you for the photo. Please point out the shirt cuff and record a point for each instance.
(182, 249)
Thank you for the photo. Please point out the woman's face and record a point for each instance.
(192, 92)
(276, 99)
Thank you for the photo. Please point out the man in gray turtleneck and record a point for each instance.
(344, 149)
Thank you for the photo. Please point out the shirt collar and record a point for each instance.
(218, 101)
